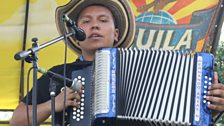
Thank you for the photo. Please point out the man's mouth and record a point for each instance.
(95, 36)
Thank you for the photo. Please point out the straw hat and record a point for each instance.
(121, 10)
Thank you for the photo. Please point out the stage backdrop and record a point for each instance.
(170, 24)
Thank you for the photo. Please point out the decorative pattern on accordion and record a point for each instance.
(152, 87)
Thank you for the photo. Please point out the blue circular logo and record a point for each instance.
(162, 17)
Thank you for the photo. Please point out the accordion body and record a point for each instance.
(146, 87)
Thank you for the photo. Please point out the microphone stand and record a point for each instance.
(34, 58)
(52, 90)
(31, 55)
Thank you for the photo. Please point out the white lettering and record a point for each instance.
(168, 39)
(185, 40)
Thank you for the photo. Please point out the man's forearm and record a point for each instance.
(19, 117)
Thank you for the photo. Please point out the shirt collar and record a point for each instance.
(81, 58)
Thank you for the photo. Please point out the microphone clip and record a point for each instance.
(68, 21)
(80, 35)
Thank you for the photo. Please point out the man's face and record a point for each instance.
(98, 24)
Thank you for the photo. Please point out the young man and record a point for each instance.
(105, 26)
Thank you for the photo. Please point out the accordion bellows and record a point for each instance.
(144, 87)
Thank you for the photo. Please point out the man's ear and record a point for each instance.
(116, 35)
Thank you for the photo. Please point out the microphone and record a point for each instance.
(80, 35)
(73, 84)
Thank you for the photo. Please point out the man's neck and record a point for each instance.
(88, 56)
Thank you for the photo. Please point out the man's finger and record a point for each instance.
(216, 78)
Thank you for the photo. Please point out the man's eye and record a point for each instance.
(104, 20)
(85, 21)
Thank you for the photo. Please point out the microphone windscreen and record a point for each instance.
(76, 85)
(80, 34)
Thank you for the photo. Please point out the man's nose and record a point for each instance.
(95, 25)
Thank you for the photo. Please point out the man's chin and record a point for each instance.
(100, 47)
(94, 48)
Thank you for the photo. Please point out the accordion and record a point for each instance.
(144, 87)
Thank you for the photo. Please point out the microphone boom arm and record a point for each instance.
(23, 54)
(73, 84)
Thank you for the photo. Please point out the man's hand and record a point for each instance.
(72, 99)
(216, 95)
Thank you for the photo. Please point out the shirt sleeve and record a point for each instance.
(42, 91)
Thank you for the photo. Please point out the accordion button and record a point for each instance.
(103, 121)
(83, 83)
(205, 91)
(204, 101)
(78, 119)
(210, 78)
(206, 77)
(205, 87)
(74, 117)
(78, 110)
(82, 99)
(78, 115)
(74, 108)
(210, 83)
(81, 117)
(81, 112)
(206, 82)
(82, 95)
(83, 79)
(74, 113)
(82, 104)
(82, 108)
(79, 77)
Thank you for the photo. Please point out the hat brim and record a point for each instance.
(121, 10)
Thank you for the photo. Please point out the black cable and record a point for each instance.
(218, 117)
(22, 65)
(65, 60)
(21, 95)
(219, 24)
(27, 97)
(64, 72)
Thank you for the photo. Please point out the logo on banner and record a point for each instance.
(172, 24)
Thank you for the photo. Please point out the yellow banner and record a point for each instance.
(41, 24)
